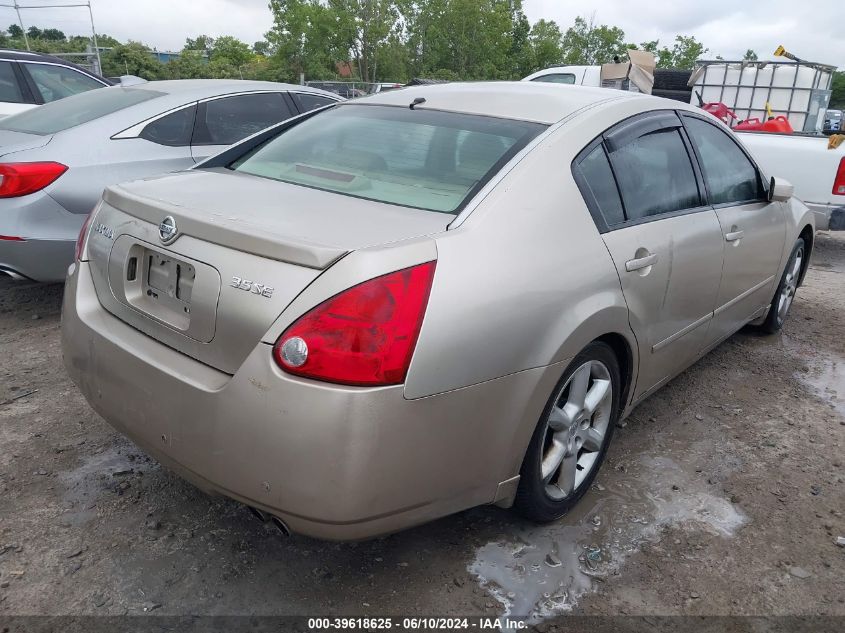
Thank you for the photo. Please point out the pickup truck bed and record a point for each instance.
(806, 162)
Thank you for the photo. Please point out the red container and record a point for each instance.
(778, 124)
(750, 125)
(720, 111)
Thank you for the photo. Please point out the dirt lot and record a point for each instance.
(723, 494)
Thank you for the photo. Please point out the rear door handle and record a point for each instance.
(734, 236)
(641, 262)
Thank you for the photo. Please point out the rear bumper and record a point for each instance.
(837, 219)
(48, 232)
(331, 462)
(823, 213)
(40, 260)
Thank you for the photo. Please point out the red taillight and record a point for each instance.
(839, 181)
(83, 237)
(363, 336)
(20, 179)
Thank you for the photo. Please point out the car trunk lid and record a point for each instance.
(12, 142)
(244, 248)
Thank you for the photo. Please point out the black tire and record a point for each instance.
(775, 318)
(532, 501)
(669, 79)
(675, 95)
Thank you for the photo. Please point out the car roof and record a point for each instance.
(8, 54)
(201, 88)
(525, 101)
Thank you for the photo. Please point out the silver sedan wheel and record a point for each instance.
(576, 428)
(790, 284)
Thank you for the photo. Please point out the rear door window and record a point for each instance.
(557, 78)
(231, 119)
(173, 129)
(58, 82)
(655, 175)
(306, 101)
(730, 176)
(601, 185)
(10, 90)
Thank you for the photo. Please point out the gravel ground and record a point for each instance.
(722, 495)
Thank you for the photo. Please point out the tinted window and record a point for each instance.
(730, 176)
(173, 129)
(229, 120)
(308, 102)
(562, 78)
(417, 158)
(599, 178)
(67, 113)
(10, 91)
(58, 82)
(655, 175)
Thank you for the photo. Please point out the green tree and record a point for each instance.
(15, 32)
(132, 58)
(54, 35)
(364, 27)
(750, 56)
(33, 33)
(584, 43)
(837, 97)
(199, 43)
(230, 50)
(685, 51)
(546, 44)
(521, 53)
(191, 64)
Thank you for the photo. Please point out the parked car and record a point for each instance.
(669, 83)
(376, 88)
(399, 307)
(833, 122)
(345, 89)
(56, 160)
(30, 79)
(818, 173)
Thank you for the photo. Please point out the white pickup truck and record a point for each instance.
(816, 172)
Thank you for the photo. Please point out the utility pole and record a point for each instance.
(20, 21)
(94, 34)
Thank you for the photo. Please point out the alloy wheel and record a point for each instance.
(575, 429)
(790, 284)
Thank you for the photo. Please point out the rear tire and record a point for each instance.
(572, 436)
(785, 293)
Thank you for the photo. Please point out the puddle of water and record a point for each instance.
(827, 378)
(546, 569)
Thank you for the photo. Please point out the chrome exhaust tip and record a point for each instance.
(280, 525)
(258, 514)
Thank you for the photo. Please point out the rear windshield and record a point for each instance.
(416, 158)
(76, 110)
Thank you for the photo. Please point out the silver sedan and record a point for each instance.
(432, 298)
(56, 160)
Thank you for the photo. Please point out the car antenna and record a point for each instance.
(417, 102)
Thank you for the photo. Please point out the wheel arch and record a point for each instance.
(624, 354)
(808, 235)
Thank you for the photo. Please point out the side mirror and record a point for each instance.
(780, 190)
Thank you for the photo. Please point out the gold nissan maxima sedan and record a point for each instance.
(399, 307)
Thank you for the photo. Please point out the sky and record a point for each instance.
(811, 29)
